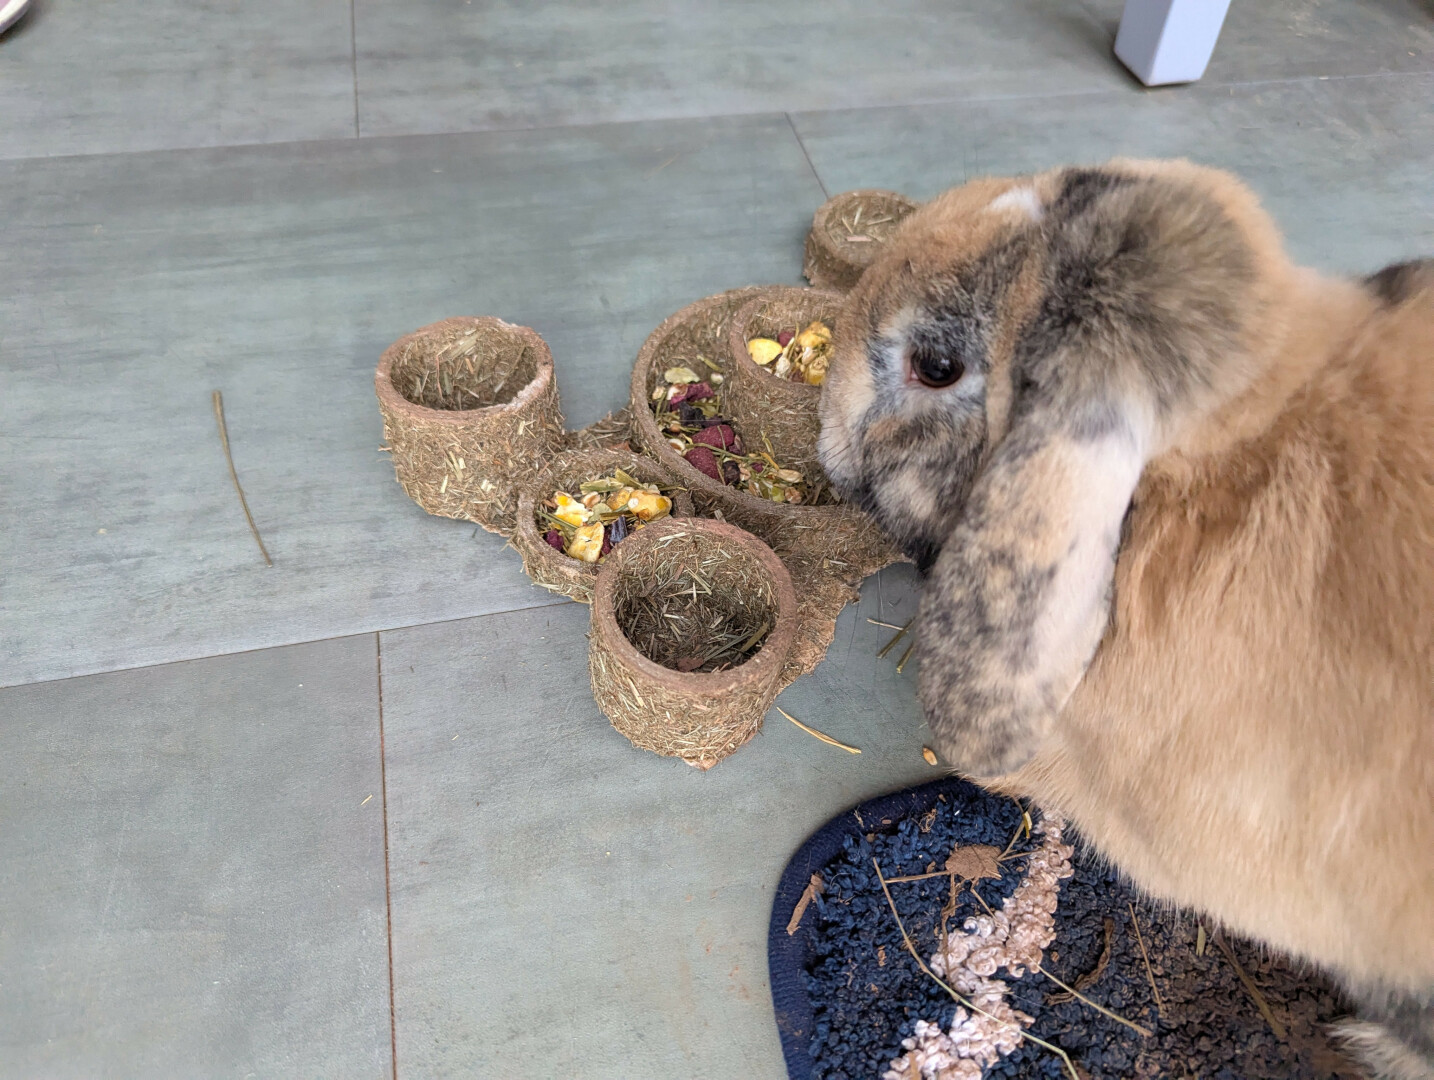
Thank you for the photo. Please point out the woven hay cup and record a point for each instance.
(832, 530)
(835, 261)
(470, 411)
(699, 717)
(549, 567)
(783, 411)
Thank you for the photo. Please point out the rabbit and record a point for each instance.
(1172, 499)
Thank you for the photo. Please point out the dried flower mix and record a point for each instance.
(800, 357)
(688, 413)
(607, 511)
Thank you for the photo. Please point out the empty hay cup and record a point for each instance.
(673, 602)
(546, 565)
(848, 232)
(701, 333)
(470, 410)
(777, 410)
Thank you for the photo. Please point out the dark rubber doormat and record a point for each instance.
(1000, 902)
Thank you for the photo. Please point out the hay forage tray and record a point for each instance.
(677, 593)
(778, 410)
(470, 410)
(701, 332)
(546, 565)
(848, 232)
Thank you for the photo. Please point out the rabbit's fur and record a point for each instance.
(1177, 520)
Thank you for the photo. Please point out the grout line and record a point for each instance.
(353, 57)
(915, 103)
(359, 632)
(798, 136)
(387, 891)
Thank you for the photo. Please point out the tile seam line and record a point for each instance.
(353, 61)
(810, 163)
(775, 113)
(358, 633)
(387, 889)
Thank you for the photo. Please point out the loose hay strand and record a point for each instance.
(233, 475)
(901, 664)
(901, 632)
(817, 734)
(1149, 971)
(1078, 996)
(1251, 989)
(674, 616)
(911, 948)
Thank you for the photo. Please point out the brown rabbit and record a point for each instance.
(1174, 498)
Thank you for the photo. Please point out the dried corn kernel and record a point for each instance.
(586, 544)
(570, 511)
(649, 505)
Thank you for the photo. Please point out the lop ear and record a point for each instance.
(1019, 598)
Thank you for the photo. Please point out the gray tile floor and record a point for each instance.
(358, 811)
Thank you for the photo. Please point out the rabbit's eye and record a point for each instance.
(935, 368)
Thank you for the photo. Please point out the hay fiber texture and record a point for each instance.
(779, 411)
(848, 232)
(701, 595)
(470, 412)
(699, 336)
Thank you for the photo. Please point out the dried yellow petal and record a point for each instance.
(815, 335)
(679, 376)
(763, 350)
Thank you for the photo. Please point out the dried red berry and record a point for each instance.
(691, 392)
(606, 541)
(785, 338)
(554, 538)
(721, 436)
(704, 461)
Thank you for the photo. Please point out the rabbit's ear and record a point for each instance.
(1151, 278)
(1018, 599)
